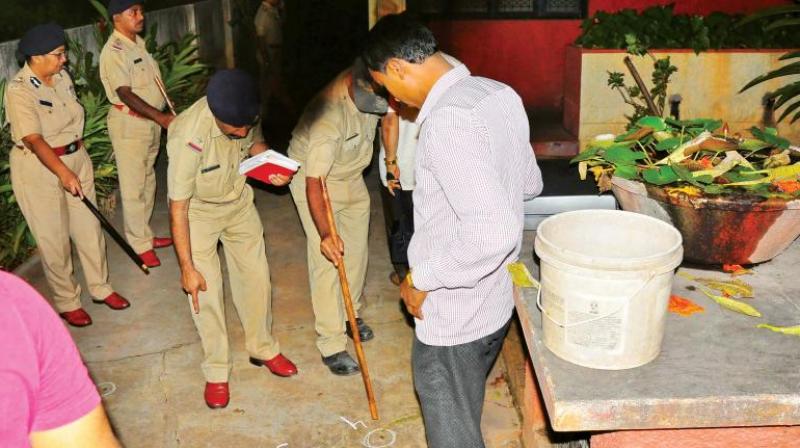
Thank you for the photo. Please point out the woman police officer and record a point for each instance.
(51, 172)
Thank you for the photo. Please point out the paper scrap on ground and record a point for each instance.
(683, 306)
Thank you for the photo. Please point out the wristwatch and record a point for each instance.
(390, 162)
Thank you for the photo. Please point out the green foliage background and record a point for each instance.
(184, 78)
(17, 16)
(659, 27)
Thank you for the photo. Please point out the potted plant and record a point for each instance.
(714, 60)
(735, 198)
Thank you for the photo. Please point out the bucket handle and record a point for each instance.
(586, 321)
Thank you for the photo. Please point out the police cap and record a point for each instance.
(233, 97)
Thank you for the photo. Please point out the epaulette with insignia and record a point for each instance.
(117, 45)
(35, 81)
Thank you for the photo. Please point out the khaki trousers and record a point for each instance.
(238, 227)
(136, 142)
(350, 202)
(54, 217)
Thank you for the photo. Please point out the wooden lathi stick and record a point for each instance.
(348, 305)
(163, 91)
(642, 88)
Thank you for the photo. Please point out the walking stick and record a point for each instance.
(348, 305)
(163, 91)
(642, 87)
(116, 236)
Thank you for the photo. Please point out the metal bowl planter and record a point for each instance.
(719, 229)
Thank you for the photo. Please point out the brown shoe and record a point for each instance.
(77, 318)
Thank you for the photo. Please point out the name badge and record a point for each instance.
(45, 103)
(210, 168)
(138, 60)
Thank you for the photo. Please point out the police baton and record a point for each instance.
(348, 306)
(116, 236)
(163, 91)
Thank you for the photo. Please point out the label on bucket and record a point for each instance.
(601, 331)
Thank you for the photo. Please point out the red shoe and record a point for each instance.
(114, 301)
(279, 365)
(159, 243)
(77, 318)
(217, 395)
(150, 259)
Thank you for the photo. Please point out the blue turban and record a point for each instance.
(118, 6)
(233, 97)
(41, 39)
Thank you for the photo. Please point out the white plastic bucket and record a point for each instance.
(606, 277)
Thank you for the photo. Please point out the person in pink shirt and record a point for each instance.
(46, 396)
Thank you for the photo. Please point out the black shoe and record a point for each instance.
(341, 364)
(363, 330)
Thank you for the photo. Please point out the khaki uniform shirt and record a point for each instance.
(126, 63)
(204, 162)
(33, 107)
(333, 139)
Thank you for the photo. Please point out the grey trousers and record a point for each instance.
(451, 382)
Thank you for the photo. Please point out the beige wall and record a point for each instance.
(709, 84)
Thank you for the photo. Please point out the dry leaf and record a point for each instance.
(736, 269)
(582, 167)
(683, 306)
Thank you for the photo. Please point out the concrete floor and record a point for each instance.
(146, 360)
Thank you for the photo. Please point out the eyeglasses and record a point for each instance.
(59, 54)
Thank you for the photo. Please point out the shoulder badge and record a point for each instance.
(35, 81)
(117, 45)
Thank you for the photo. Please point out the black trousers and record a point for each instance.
(451, 382)
(398, 211)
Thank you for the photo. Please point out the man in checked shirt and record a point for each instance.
(474, 168)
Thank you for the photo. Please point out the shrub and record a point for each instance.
(184, 78)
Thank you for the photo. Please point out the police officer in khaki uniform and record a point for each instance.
(211, 203)
(269, 39)
(333, 140)
(136, 117)
(268, 24)
(51, 172)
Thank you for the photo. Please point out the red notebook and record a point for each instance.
(262, 166)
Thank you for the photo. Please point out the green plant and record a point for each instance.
(184, 77)
(15, 238)
(781, 18)
(694, 158)
(659, 27)
(632, 95)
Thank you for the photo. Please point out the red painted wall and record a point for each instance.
(529, 54)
